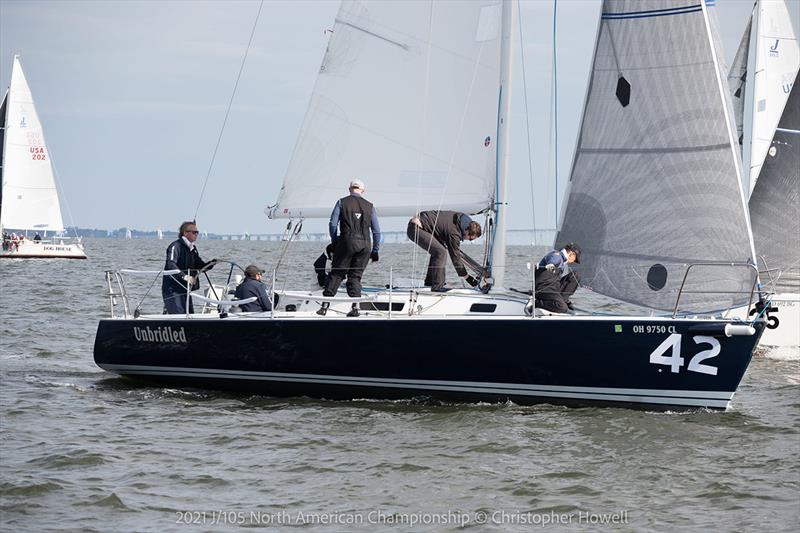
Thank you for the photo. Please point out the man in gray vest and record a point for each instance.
(355, 218)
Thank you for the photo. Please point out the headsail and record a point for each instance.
(737, 79)
(777, 57)
(655, 182)
(30, 199)
(406, 100)
(775, 202)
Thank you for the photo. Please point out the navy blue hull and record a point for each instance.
(527, 361)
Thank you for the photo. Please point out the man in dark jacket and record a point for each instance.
(252, 286)
(355, 218)
(440, 233)
(321, 265)
(182, 255)
(555, 280)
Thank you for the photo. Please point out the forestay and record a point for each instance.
(406, 100)
(655, 183)
(29, 198)
(775, 202)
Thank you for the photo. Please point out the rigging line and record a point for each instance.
(60, 188)
(554, 113)
(527, 118)
(458, 140)
(227, 111)
(415, 253)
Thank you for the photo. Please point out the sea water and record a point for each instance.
(81, 449)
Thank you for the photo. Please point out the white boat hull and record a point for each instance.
(788, 331)
(784, 325)
(29, 249)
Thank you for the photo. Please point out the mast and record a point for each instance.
(498, 252)
(3, 116)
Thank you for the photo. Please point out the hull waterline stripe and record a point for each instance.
(711, 398)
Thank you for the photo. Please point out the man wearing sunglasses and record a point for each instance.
(182, 255)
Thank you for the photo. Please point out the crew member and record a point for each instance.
(252, 286)
(555, 280)
(355, 217)
(182, 255)
(440, 233)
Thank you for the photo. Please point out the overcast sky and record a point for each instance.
(132, 95)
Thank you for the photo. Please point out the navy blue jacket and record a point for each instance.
(180, 257)
(252, 287)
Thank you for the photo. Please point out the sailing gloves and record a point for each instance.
(550, 267)
(472, 281)
(374, 257)
(189, 280)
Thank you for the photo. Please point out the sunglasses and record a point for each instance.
(193, 231)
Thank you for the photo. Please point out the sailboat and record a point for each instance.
(416, 97)
(29, 206)
(771, 146)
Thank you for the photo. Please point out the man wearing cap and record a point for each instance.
(555, 280)
(355, 218)
(252, 286)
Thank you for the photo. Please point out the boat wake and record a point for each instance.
(779, 353)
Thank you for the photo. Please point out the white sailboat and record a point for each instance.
(770, 128)
(415, 98)
(29, 206)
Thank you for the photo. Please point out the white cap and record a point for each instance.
(357, 184)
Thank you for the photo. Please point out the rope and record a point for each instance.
(555, 106)
(527, 119)
(60, 189)
(415, 253)
(227, 111)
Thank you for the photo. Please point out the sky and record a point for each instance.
(132, 95)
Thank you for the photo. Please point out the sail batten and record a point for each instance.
(654, 185)
(421, 134)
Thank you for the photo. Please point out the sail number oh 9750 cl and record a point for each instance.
(650, 328)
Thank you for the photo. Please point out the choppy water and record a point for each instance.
(83, 450)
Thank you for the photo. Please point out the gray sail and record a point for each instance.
(775, 201)
(655, 183)
(737, 78)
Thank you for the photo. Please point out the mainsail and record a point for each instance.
(407, 100)
(775, 201)
(29, 197)
(777, 56)
(655, 182)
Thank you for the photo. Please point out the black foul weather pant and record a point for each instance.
(435, 276)
(349, 260)
(553, 301)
